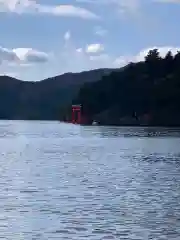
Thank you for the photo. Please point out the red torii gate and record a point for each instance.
(76, 113)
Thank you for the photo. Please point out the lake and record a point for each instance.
(63, 181)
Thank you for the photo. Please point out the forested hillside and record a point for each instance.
(146, 92)
(43, 100)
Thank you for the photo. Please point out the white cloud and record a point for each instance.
(108, 60)
(79, 50)
(94, 56)
(129, 5)
(102, 57)
(94, 48)
(10, 74)
(30, 55)
(124, 60)
(99, 31)
(7, 55)
(16, 5)
(67, 10)
(30, 6)
(162, 52)
(123, 6)
(22, 56)
(67, 36)
(167, 1)
(82, 60)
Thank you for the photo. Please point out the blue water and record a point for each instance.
(63, 181)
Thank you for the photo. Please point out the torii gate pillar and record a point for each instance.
(76, 114)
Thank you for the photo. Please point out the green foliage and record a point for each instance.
(151, 87)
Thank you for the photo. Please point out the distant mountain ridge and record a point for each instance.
(42, 100)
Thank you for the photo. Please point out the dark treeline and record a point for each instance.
(146, 92)
(42, 100)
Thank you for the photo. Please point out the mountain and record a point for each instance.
(143, 93)
(42, 100)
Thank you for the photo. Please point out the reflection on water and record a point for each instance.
(62, 181)
(105, 131)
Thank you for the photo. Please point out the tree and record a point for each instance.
(152, 56)
(177, 60)
(151, 87)
(168, 63)
(169, 56)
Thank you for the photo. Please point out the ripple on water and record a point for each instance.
(61, 181)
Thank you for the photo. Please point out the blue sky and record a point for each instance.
(44, 38)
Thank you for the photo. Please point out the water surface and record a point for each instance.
(63, 181)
